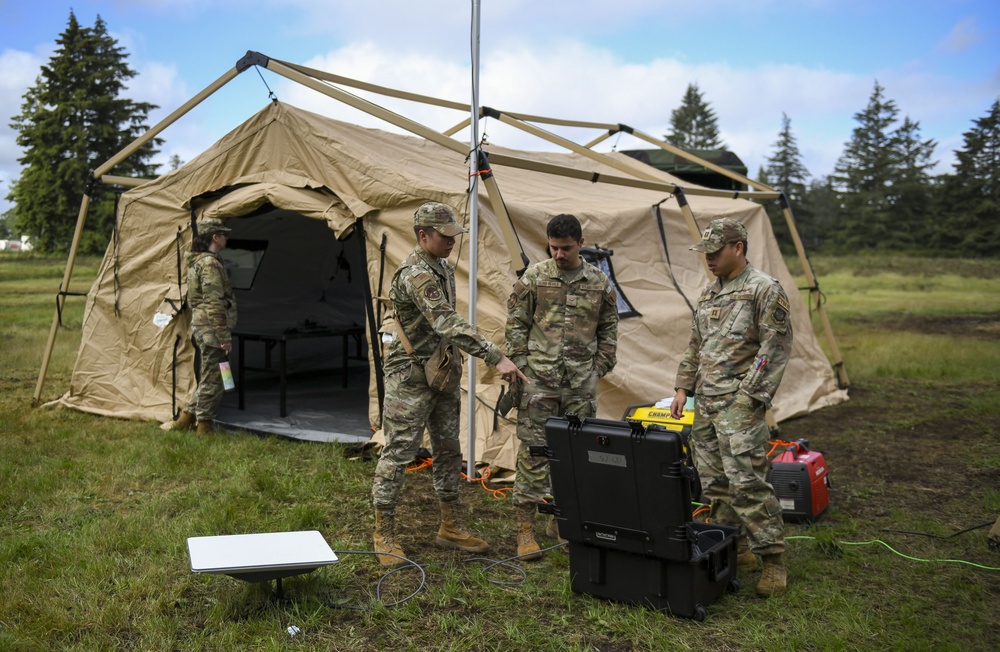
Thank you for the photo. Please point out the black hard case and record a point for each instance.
(622, 499)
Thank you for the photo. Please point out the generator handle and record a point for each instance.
(632, 408)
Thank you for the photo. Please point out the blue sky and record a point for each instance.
(626, 61)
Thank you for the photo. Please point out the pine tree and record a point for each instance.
(818, 216)
(693, 124)
(970, 203)
(864, 174)
(784, 168)
(786, 173)
(72, 121)
(912, 191)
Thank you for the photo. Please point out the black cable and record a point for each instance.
(504, 562)
(270, 94)
(409, 563)
(670, 268)
(941, 536)
(59, 305)
(173, 380)
(114, 248)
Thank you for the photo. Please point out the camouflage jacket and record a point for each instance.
(741, 338)
(563, 331)
(420, 293)
(210, 296)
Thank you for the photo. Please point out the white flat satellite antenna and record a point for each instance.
(260, 557)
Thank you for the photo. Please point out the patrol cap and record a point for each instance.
(439, 217)
(212, 225)
(719, 233)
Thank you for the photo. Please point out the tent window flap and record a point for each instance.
(601, 258)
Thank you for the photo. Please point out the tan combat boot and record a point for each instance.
(204, 427)
(452, 534)
(184, 422)
(773, 579)
(527, 547)
(552, 530)
(745, 560)
(384, 539)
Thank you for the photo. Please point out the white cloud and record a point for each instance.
(18, 71)
(963, 35)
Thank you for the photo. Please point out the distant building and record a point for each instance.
(687, 170)
(24, 244)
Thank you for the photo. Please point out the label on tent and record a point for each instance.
(227, 376)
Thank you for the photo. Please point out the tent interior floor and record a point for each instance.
(318, 407)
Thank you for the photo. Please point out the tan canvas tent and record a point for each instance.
(330, 205)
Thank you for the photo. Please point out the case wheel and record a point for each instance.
(733, 586)
(699, 613)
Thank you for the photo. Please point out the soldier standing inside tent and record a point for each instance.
(422, 294)
(741, 340)
(562, 329)
(213, 317)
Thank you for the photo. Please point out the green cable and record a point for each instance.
(866, 543)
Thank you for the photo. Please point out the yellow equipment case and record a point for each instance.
(648, 413)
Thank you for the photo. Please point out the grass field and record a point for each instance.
(95, 512)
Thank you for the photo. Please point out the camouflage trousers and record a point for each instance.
(410, 406)
(537, 404)
(205, 404)
(728, 440)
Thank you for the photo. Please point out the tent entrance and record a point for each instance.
(300, 289)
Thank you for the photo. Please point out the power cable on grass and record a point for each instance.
(941, 536)
(409, 563)
(904, 556)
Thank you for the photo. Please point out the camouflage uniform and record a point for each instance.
(562, 331)
(213, 317)
(741, 340)
(420, 294)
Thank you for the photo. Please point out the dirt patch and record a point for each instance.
(984, 327)
(917, 449)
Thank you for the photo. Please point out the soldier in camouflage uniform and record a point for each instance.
(213, 317)
(741, 340)
(562, 329)
(422, 295)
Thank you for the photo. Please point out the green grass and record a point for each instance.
(912, 319)
(95, 513)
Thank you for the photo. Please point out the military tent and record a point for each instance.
(321, 212)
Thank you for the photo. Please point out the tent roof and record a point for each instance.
(290, 159)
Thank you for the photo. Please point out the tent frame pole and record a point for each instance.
(85, 207)
(470, 470)
(816, 298)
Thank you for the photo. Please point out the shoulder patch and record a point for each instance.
(432, 292)
(779, 313)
